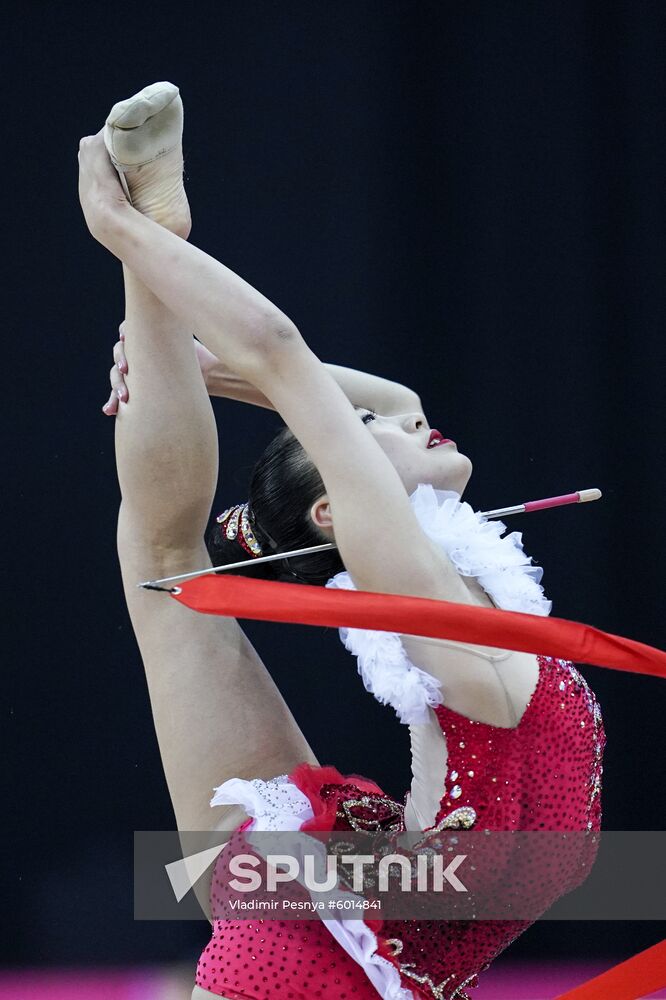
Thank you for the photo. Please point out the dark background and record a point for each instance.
(466, 197)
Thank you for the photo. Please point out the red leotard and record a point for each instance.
(545, 774)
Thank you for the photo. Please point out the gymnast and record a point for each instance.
(500, 740)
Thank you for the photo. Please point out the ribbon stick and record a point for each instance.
(266, 600)
(582, 496)
(637, 977)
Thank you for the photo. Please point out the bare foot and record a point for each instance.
(143, 136)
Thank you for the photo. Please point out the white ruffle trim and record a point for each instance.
(277, 804)
(476, 548)
(386, 670)
(361, 943)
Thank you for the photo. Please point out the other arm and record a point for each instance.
(361, 389)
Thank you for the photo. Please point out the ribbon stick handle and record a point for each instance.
(582, 496)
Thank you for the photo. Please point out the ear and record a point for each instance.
(320, 512)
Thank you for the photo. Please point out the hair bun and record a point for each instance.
(276, 518)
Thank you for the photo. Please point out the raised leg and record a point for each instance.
(217, 712)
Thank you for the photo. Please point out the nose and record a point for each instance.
(413, 422)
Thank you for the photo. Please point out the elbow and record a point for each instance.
(271, 342)
(277, 332)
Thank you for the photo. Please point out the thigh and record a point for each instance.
(218, 714)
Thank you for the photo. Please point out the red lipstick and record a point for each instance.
(436, 438)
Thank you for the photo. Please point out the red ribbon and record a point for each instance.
(637, 977)
(267, 600)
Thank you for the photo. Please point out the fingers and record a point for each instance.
(119, 390)
(119, 356)
(99, 185)
(117, 380)
(110, 408)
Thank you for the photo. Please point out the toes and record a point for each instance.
(145, 127)
(135, 111)
(130, 114)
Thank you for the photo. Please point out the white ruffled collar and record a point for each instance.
(477, 549)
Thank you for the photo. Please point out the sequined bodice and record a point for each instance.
(545, 773)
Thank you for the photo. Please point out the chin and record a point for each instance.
(455, 475)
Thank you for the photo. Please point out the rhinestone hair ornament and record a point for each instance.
(235, 522)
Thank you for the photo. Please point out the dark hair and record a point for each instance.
(284, 485)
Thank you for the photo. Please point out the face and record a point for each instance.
(413, 448)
